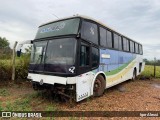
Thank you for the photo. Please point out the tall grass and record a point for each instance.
(149, 71)
(22, 64)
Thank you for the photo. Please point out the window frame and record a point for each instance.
(137, 52)
(120, 39)
(98, 57)
(117, 36)
(82, 43)
(105, 45)
(140, 49)
(92, 22)
(131, 46)
(111, 35)
(124, 38)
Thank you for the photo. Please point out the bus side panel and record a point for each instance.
(119, 66)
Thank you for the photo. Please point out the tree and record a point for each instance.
(5, 50)
(4, 43)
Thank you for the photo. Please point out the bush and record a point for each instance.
(5, 69)
(21, 70)
(149, 71)
(5, 53)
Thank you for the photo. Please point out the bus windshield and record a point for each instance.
(57, 56)
(61, 51)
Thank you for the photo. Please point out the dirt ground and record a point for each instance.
(138, 95)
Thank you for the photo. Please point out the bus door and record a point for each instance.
(83, 80)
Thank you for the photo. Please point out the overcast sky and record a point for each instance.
(137, 19)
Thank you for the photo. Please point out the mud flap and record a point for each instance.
(83, 86)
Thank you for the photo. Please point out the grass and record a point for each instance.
(17, 105)
(26, 102)
(22, 105)
(149, 71)
(4, 92)
(9, 106)
(1, 108)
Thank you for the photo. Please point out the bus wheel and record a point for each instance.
(99, 86)
(134, 75)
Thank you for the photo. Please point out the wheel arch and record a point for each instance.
(98, 73)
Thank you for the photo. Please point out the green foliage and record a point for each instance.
(1, 108)
(4, 92)
(4, 42)
(36, 94)
(5, 51)
(22, 67)
(9, 107)
(22, 105)
(149, 71)
(152, 62)
(50, 108)
(5, 69)
(18, 105)
(22, 64)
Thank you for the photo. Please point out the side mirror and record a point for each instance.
(19, 53)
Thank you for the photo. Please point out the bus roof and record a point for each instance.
(88, 18)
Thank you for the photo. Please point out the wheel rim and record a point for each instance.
(97, 85)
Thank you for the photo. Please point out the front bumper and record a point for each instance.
(49, 79)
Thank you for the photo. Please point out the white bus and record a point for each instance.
(79, 57)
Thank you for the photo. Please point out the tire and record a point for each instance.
(134, 75)
(99, 86)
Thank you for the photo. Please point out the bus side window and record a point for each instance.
(125, 44)
(95, 57)
(84, 55)
(131, 46)
(136, 48)
(103, 37)
(140, 49)
(109, 39)
(120, 42)
(89, 32)
(116, 41)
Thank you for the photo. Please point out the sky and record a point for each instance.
(137, 19)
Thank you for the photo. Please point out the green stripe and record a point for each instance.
(118, 69)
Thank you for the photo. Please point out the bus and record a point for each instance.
(78, 57)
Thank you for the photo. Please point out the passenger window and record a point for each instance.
(109, 39)
(140, 49)
(89, 32)
(120, 43)
(116, 39)
(84, 55)
(95, 57)
(103, 37)
(125, 44)
(132, 46)
(136, 48)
